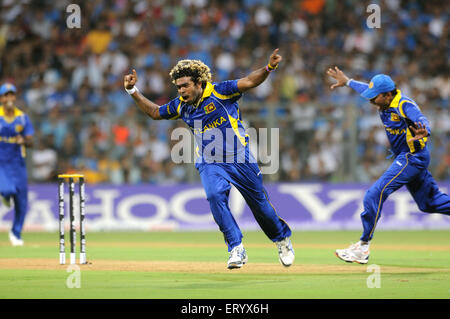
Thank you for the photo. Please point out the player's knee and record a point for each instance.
(216, 197)
(371, 196)
(368, 215)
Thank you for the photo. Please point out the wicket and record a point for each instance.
(81, 184)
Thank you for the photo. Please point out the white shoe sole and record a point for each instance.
(285, 264)
(14, 240)
(237, 265)
(348, 260)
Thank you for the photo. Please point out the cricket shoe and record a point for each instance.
(355, 253)
(14, 240)
(238, 257)
(285, 252)
(6, 201)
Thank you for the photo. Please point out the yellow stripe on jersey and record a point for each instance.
(234, 125)
(225, 97)
(178, 110)
(410, 144)
(197, 151)
(408, 132)
(423, 141)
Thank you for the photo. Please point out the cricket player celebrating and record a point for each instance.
(211, 110)
(408, 131)
(16, 133)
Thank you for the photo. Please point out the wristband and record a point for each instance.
(270, 68)
(132, 90)
(348, 82)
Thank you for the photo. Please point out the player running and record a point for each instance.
(16, 133)
(407, 130)
(212, 113)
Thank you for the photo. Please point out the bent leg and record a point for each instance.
(427, 195)
(246, 177)
(217, 188)
(398, 174)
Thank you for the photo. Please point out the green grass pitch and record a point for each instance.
(192, 265)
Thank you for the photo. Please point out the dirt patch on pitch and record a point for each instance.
(203, 267)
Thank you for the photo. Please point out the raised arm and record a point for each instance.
(257, 77)
(144, 104)
(343, 80)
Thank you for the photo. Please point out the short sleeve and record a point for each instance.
(28, 128)
(227, 90)
(171, 110)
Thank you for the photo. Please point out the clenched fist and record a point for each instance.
(130, 80)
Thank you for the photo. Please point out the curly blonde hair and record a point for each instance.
(196, 69)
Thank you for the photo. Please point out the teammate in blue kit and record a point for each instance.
(16, 133)
(212, 113)
(408, 131)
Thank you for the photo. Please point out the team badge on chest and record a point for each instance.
(18, 128)
(209, 108)
(395, 117)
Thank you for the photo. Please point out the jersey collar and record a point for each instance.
(17, 112)
(396, 100)
(206, 93)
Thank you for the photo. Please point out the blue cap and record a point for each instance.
(380, 83)
(7, 87)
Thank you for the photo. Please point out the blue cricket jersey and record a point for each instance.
(11, 153)
(401, 113)
(215, 123)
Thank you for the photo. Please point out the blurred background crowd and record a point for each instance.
(70, 81)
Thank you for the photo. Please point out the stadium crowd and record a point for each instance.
(70, 81)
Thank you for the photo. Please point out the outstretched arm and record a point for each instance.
(147, 106)
(343, 80)
(257, 77)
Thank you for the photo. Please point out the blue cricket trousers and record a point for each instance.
(13, 184)
(247, 178)
(408, 169)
